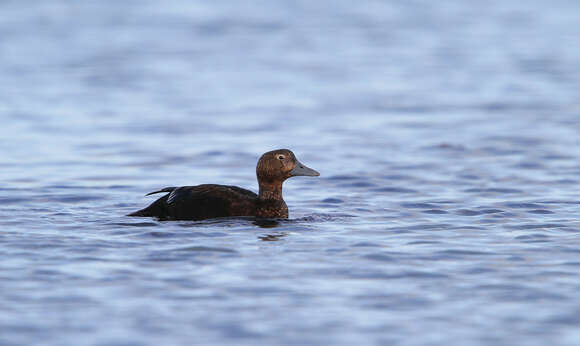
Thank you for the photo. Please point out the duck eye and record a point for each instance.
(280, 157)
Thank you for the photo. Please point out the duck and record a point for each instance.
(209, 201)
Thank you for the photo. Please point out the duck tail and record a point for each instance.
(157, 208)
(142, 212)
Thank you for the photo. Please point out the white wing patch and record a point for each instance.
(171, 197)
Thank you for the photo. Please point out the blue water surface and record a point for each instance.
(447, 135)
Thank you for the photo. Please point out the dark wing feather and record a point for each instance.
(202, 202)
(167, 189)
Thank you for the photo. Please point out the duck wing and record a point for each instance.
(210, 201)
(201, 202)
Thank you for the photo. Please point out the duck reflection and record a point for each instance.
(273, 237)
(269, 223)
(266, 223)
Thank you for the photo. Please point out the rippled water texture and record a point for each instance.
(447, 135)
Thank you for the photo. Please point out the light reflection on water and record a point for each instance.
(447, 138)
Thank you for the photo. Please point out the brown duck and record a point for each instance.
(210, 201)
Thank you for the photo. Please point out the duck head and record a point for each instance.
(279, 165)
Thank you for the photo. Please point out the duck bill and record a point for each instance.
(301, 169)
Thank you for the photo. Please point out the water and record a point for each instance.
(446, 134)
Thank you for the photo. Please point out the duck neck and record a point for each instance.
(270, 190)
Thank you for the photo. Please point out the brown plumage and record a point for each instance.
(210, 201)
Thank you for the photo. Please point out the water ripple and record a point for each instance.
(448, 188)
